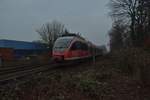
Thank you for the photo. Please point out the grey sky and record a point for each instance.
(20, 18)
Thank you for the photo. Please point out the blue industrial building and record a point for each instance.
(22, 48)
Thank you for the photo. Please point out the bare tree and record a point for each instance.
(117, 35)
(137, 14)
(144, 17)
(50, 31)
(125, 10)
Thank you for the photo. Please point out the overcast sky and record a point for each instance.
(20, 18)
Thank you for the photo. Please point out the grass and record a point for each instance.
(112, 78)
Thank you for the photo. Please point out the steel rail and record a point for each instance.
(25, 72)
(20, 72)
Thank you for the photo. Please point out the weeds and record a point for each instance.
(112, 78)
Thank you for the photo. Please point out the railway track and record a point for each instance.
(12, 73)
(15, 73)
(19, 68)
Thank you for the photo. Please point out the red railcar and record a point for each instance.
(72, 47)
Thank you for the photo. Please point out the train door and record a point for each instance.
(75, 50)
(84, 48)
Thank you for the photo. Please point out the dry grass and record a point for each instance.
(115, 77)
(135, 62)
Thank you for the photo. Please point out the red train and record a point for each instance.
(73, 47)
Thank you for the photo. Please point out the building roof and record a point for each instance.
(20, 44)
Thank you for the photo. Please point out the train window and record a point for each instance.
(79, 46)
(61, 44)
(76, 46)
(84, 46)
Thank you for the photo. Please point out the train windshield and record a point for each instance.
(61, 44)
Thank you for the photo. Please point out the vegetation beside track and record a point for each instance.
(121, 75)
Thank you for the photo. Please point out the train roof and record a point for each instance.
(67, 37)
(73, 35)
(70, 34)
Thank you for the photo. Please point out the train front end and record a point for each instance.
(60, 48)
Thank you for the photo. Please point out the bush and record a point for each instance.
(134, 61)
